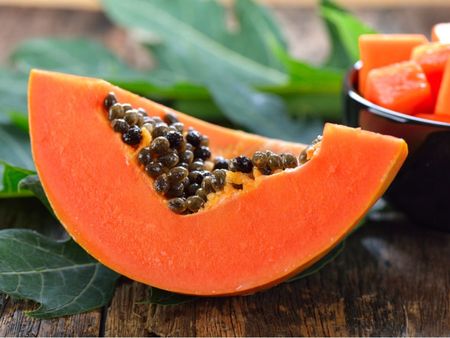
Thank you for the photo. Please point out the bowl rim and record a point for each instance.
(373, 108)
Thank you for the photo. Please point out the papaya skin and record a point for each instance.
(249, 242)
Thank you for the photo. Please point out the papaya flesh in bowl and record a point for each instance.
(269, 231)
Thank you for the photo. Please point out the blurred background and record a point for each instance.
(271, 67)
(22, 19)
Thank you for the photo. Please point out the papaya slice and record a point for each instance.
(432, 58)
(251, 240)
(402, 87)
(378, 50)
(443, 101)
(441, 32)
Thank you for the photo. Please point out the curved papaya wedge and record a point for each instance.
(251, 240)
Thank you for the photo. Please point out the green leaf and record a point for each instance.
(13, 94)
(193, 43)
(344, 30)
(11, 176)
(311, 79)
(226, 63)
(33, 185)
(76, 56)
(89, 58)
(311, 91)
(308, 106)
(19, 120)
(257, 34)
(15, 147)
(60, 276)
(264, 114)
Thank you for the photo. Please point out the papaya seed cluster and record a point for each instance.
(179, 159)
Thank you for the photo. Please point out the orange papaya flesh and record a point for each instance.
(378, 50)
(441, 32)
(402, 87)
(432, 58)
(443, 100)
(250, 241)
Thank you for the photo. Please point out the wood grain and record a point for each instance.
(126, 316)
(392, 279)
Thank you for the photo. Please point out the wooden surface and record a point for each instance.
(393, 279)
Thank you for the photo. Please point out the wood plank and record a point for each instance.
(126, 316)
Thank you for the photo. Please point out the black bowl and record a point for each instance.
(421, 189)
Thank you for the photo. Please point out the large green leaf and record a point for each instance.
(225, 62)
(311, 79)
(90, 58)
(257, 34)
(311, 91)
(60, 276)
(76, 56)
(198, 42)
(344, 30)
(264, 114)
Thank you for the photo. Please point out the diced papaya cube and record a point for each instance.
(401, 86)
(443, 101)
(432, 58)
(378, 50)
(441, 32)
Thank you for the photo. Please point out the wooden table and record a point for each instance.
(393, 279)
